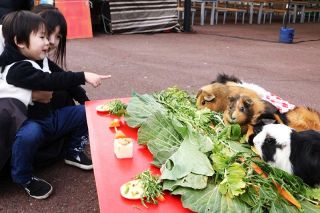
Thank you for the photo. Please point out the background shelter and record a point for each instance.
(140, 16)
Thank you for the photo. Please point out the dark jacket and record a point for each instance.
(7, 6)
(12, 114)
(23, 74)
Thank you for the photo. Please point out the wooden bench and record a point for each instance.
(225, 10)
(314, 11)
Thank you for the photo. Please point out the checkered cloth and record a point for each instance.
(282, 105)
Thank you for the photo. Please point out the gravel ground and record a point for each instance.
(147, 63)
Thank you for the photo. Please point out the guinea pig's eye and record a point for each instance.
(242, 109)
(230, 107)
(203, 102)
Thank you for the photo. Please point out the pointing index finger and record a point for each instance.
(105, 76)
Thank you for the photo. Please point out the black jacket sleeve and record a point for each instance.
(23, 74)
(78, 94)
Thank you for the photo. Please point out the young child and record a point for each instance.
(25, 39)
(57, 34)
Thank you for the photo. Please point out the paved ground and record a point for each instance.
(147, 63)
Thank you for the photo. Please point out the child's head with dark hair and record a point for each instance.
(27, 33)
(18, 26)
(57, 31)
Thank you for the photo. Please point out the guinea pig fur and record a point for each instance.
(297, 153)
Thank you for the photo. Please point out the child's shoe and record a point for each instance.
(81, 161)
(38, 188)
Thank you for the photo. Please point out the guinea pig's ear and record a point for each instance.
(259, 138)
(199, 92)
(209, 98)
(247, 101)
(233, 98)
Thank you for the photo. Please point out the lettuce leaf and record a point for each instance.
(210, 200)
(159, 134)
(190, 181)
(141, 107)
(233, 184)
(188, 159)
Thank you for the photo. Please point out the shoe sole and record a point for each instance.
(81, 166)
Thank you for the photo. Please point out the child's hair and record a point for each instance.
(55, 18)
(18, 26)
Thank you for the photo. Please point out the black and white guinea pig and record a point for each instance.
(297, 153)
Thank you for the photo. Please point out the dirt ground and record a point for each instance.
(152, 62)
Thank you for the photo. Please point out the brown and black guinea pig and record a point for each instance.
(215, 96)
(245, 111)
(302, 118)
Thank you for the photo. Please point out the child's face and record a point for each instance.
(54, 38)
(38, 46)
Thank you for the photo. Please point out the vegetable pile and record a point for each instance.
(207, 163)
(116, 107)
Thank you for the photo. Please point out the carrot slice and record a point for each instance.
(119, 134)
(114, 123)
(161, 198)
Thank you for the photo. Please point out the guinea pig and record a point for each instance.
(302, 118)
(215, 96)
(295, 152)
(232, 80)
(245, 110)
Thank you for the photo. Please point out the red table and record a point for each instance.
(110, 172)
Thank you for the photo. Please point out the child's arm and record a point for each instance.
(24, 75)
(76, 93)
(94, 79)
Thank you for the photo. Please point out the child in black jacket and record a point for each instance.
(25, 40)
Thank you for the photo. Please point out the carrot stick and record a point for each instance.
(161, 198)
(287, 195)
(283, 192)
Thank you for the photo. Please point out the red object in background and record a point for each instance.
(110, 172)
(77, 14)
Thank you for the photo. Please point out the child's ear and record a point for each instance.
(20, 45)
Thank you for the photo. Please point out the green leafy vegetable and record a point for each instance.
(152, 187)
(160, 136)
(190, 181)
(140, 108)
(207, 162)
(210, 200)
(233, 184)
(177, 166)
(116, 107)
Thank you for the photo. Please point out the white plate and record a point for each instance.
(102, 108)
(132, 190)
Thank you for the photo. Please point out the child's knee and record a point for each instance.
(30, 133)
(81, 112)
